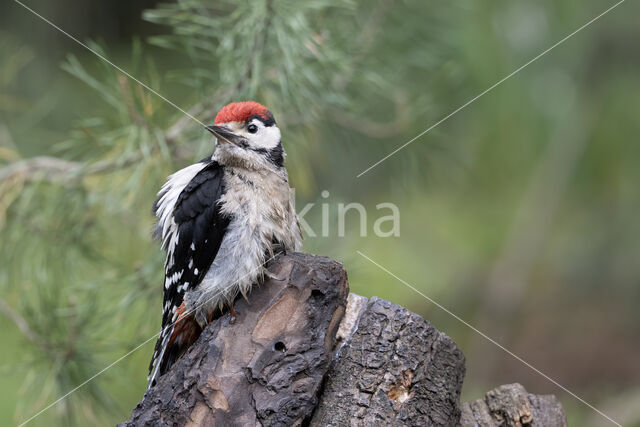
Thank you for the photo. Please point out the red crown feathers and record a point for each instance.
(241, 112)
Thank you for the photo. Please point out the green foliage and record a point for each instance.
(268, 49)
(87, 263)
(348, 82)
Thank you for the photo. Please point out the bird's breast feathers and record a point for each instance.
(261, 201)
(261, 213)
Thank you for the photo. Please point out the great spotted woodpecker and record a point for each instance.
(220, 221)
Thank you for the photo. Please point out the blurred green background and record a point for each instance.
(520, 213)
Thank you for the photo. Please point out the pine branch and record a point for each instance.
(23, 325)
(39, 168)
(53, 169)
(364, 43)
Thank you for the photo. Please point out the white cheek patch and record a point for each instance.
(267, 137)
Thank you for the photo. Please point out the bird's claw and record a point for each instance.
(272, 276)
(232, 320)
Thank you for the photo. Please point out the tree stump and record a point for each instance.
(393, 368)
(511, 406)
(303, 351)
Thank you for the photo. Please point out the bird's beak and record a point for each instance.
(225, 135)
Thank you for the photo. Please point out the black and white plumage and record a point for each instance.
(220, 221)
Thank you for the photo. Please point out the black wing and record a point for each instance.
(200, 228)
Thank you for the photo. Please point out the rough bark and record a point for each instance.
(301, 353)
(394, 368)
(511, 406)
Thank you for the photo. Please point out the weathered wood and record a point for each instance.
(511, 406)
(266, 367)
(394, 368)
(301, 353)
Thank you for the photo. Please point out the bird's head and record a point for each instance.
(247, 136)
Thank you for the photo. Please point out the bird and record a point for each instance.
(220, 221)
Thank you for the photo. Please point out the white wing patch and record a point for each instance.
(166, 204)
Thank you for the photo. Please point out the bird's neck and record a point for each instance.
(249, 162)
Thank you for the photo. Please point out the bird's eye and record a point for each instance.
(252, 128)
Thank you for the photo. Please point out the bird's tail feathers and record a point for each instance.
(173, 341)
